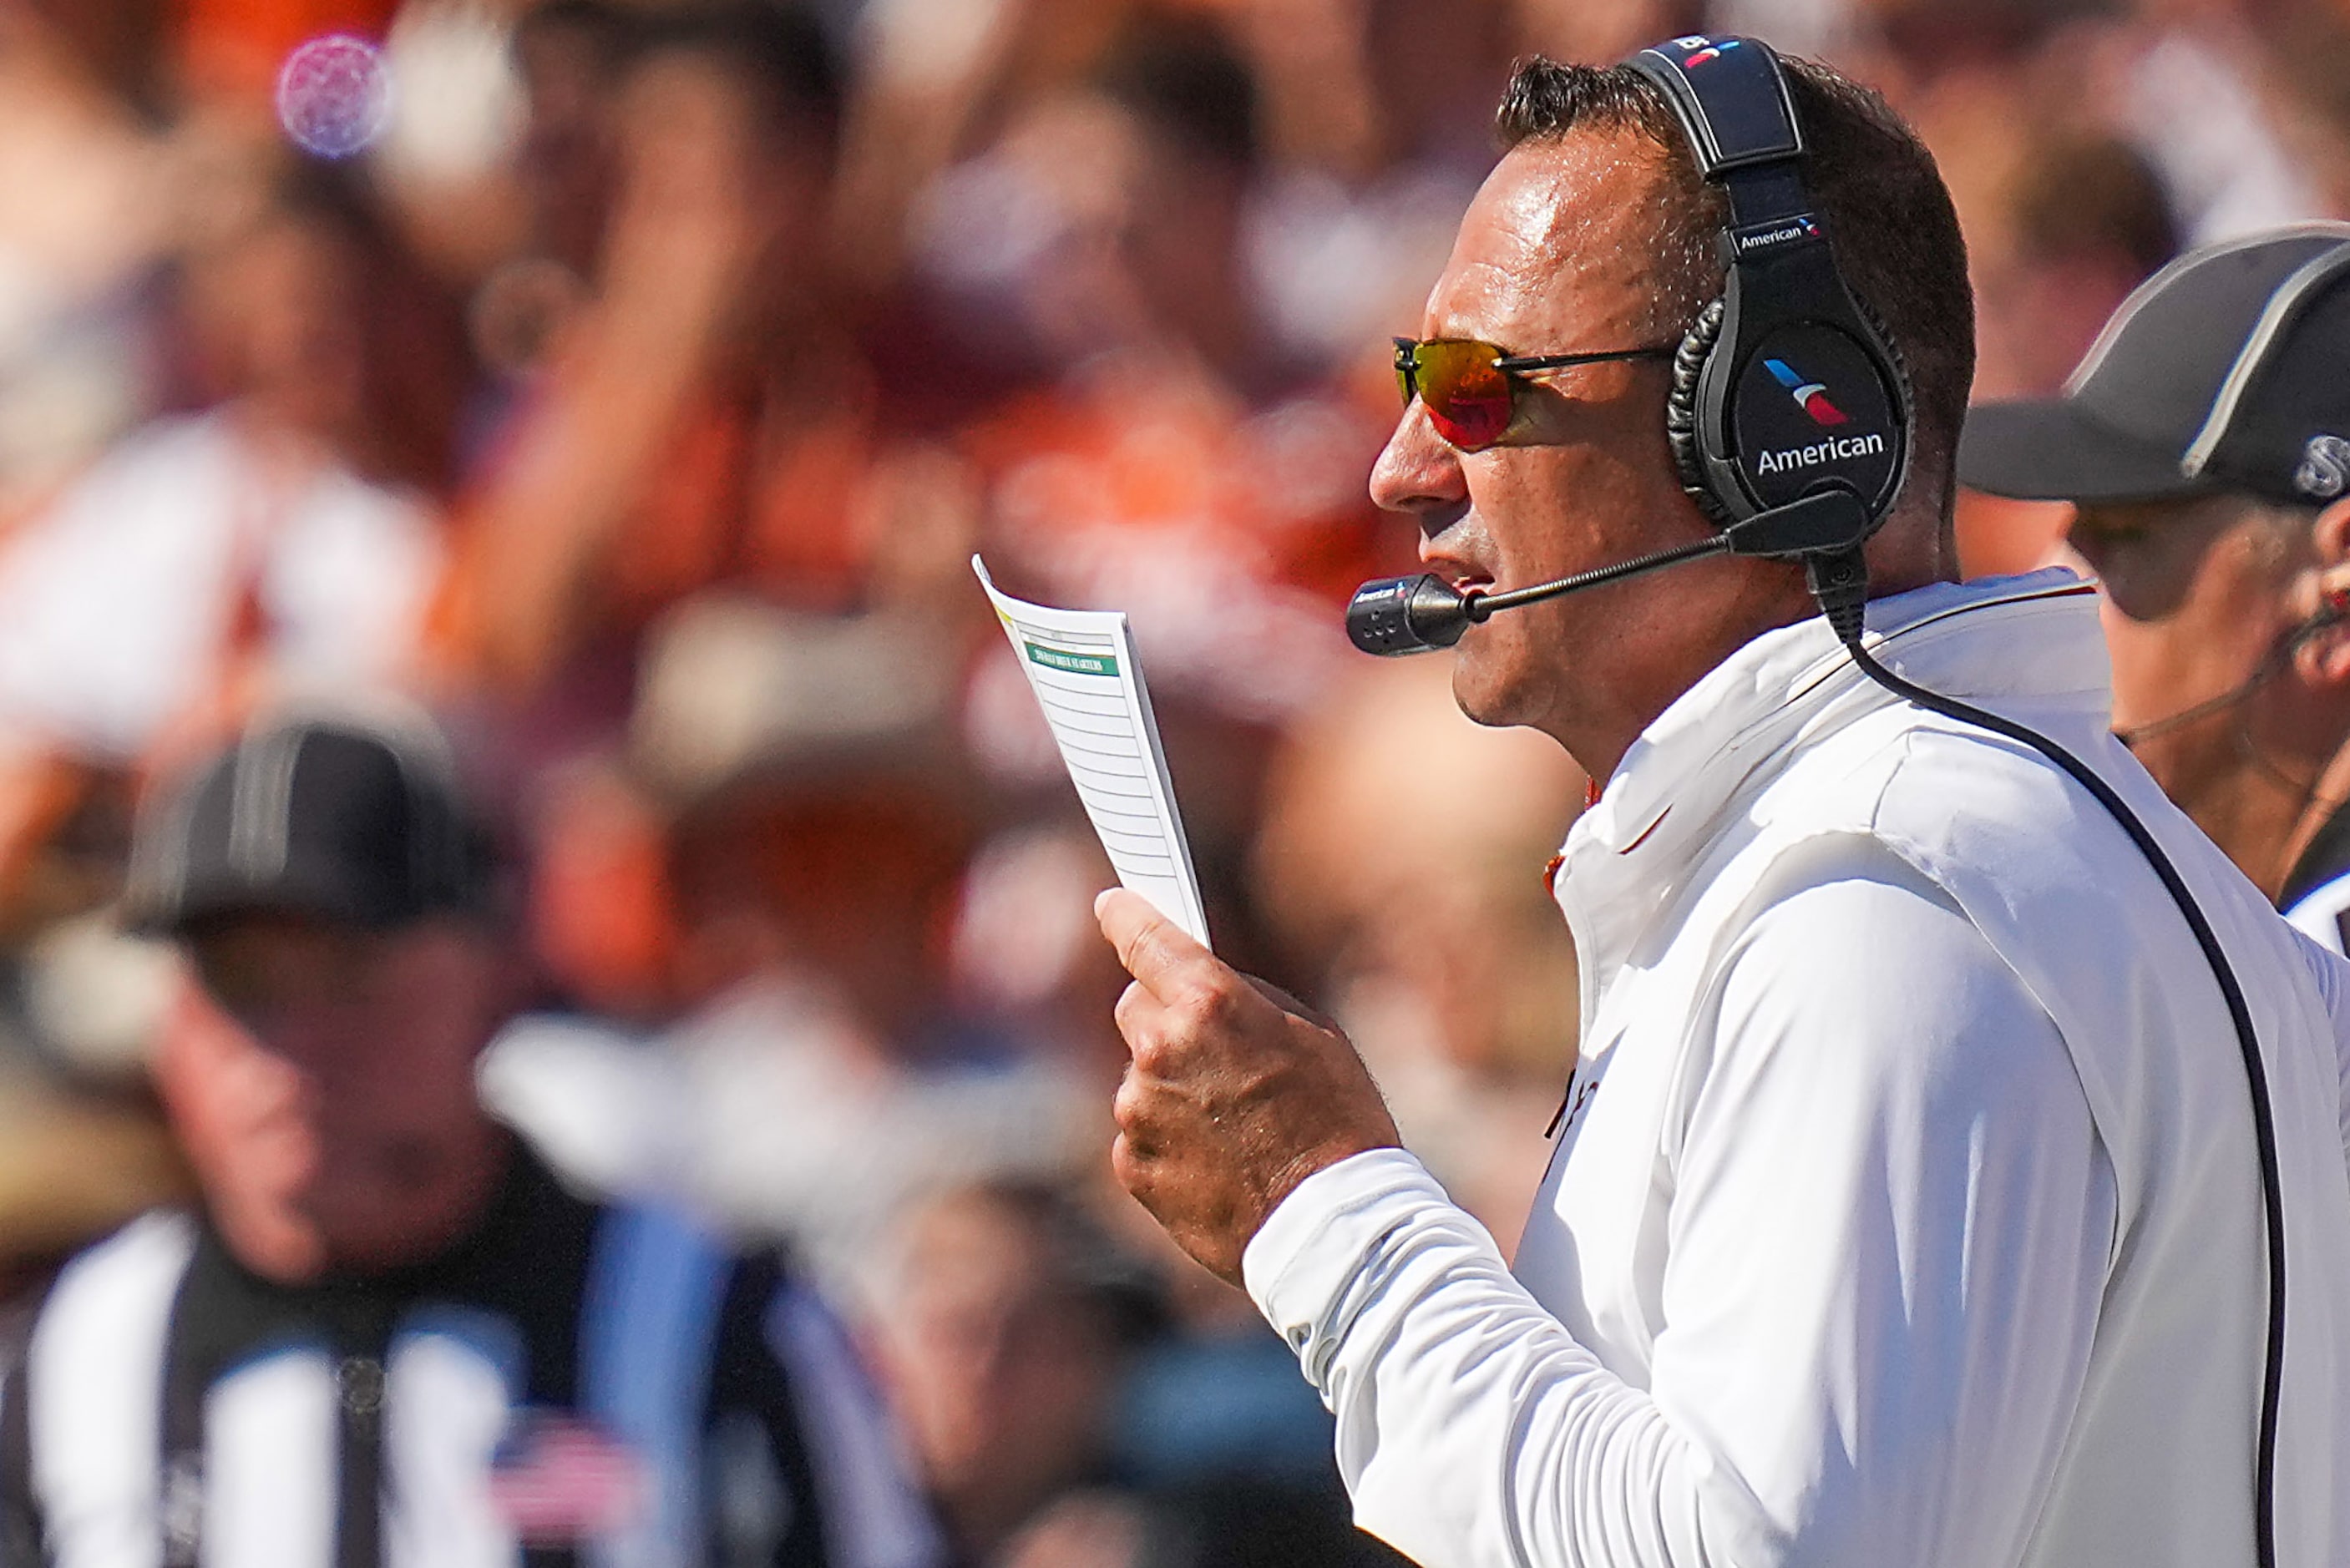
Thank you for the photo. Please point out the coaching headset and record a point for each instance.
(1787, 468)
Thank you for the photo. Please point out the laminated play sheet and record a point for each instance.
(1082, 667)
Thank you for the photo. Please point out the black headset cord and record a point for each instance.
(1841, 584)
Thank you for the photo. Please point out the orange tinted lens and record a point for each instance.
(1468, 399)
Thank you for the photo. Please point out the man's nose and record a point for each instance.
(1420, 472)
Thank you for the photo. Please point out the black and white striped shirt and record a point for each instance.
(574, 1385)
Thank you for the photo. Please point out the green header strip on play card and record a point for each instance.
(1074, 663)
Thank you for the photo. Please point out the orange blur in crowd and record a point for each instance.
(634, 405)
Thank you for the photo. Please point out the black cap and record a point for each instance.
(332, 817)
(2227, 370)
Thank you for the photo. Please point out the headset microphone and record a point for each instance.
(1419, 614)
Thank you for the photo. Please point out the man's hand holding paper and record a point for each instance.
(1234, 1097)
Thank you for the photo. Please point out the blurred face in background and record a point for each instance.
(568, 59)
(2231, 676)
(2196, 597)
(322, 1079)
(278, 313)
(849, 885)
(1001, 1368)
(715, 174)
(1179, 240)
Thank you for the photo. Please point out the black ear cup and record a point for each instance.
(1680, 413)
(1889, 356)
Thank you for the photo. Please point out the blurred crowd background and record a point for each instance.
(630, 392)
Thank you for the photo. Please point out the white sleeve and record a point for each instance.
(1890, 1227)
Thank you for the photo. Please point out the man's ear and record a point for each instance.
(2331, 535)
(2323, 651)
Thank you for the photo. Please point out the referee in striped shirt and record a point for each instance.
(392, 1339)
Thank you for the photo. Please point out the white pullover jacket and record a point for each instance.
(1908, 1211)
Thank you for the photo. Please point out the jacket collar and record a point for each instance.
(2032, 639)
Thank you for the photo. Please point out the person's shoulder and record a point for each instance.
(1985, 816)
(155, 1245)
(109, 1288)
(602, 1106)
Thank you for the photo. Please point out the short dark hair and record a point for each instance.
(1887, 214)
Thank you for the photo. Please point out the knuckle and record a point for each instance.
(1153, 1051)
(1207, 1002)
(1132, 1002)
(1128, 1109)
(1128, 1166)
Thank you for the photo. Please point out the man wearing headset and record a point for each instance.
(1908, 1203)
(2205, 445)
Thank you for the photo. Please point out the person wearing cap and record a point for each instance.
(2204, 443)
(389, 1336)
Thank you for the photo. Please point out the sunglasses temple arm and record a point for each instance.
(1519, 364)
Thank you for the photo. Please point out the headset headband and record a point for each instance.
(1731, 99)
(1787, 388)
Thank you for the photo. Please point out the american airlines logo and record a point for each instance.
(1836, 449)
(1810, 396)
(1697, 50)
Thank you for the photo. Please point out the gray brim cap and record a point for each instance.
(2227, 370)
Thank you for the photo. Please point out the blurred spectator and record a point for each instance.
(2212, 516)
(2311, 52)
(2089, 224)
(281, 539)
(1184, 463)
(823, 1072)
(1140, 477)
(1058, 1421)
(1449, 965)
(705, 417)
(1005, 1321)
(2191, 85)
(708, 418)
(1348, 230)
(2083, 221)
(389, 1329)
(80, 234)
(571, 56)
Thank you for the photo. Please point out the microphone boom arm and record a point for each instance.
(1418, 614)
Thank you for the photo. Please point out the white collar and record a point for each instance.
(2033, 638)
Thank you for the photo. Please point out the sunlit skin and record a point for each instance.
(1232, 1098)
(322, 1081)
(2199, 595)
(1552, 258)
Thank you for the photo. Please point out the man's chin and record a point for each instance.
(1483, 696)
